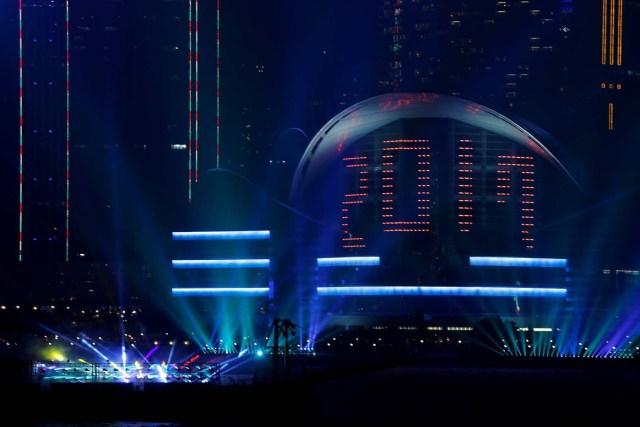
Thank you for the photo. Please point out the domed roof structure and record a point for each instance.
(347, 127)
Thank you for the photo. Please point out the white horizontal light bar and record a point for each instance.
(215, 292)
(496, 261)
(473, 291)
(220, 263)
(348, 261)
(221, 235)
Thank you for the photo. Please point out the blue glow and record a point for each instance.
(221, 235)
(220, 263)
(496, 261)
(471, 291)
(348, 261)
(216, 292)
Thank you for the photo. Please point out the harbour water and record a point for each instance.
(408, 395)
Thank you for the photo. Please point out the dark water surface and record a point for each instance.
(407, 396)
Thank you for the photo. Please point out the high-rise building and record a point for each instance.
(87, 128)
(604, 86)
(93, 148)
(497, 53)
(569, 67)
(617, 64)
(44, 134)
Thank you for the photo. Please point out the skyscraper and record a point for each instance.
(44, 132)
(90, 141)
(569, 67)
(497, 53)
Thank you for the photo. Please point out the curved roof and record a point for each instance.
(347, 127)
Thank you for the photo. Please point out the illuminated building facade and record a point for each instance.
(604, 48)
(611, 51)
(442, 178)
(499, 53)
(427, 182)
(440, 166)
(84, 73)
(570, 67)
(552, 61)
(44, 131)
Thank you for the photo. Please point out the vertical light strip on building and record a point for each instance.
(218, 86)
(612, 27)
(603, 58)
(619, 52)
(197, 83)
(68, 133)
(611, 34)
(190, 100)
(20, 146)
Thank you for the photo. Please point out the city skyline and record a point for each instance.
(283, 74)
(459, 163)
